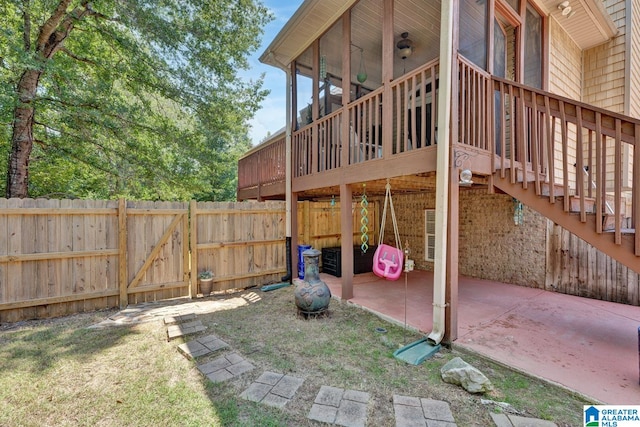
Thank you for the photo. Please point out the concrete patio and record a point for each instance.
(587, 345)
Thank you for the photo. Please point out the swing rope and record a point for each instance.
(388, 200)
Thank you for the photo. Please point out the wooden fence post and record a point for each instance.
(306, 218)
(193, 215)
(122, 252)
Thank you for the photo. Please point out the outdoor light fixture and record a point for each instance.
(465, 178)
(565, 7)
(405, 46)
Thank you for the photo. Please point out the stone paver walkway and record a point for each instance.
(335, 405)
(202, 346)
(415, 412)
(273, 389)
(225, 367)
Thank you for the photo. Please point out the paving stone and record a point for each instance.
(213, 343)
(437, 410)
(329, 396)
(287, 386)
(193, 349)
(270, 378)
(256, 392)
(220, 376)
(529, 422)
(179, 318)
(437, 423)
(412, 411)
(323, 413)
(356, 396)
(214, 365)
(406, 400)
(275, 400)
(501, 420)
(240, 368)
(182, 329)
(409, 416)
(273, 389)
(351, 414)
(234, 358)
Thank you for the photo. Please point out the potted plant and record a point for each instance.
(206, 281)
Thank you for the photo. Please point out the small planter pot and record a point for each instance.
(206, 286)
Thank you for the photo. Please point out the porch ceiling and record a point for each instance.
(589, 26)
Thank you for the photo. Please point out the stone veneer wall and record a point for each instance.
(491, 246)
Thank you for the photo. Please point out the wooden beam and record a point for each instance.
(193, 273)
(123, 274)
(346, 230)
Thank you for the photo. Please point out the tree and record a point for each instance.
(134, 98)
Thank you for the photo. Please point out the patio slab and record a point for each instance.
(586, 345)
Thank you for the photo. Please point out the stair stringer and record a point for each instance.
(604, 242)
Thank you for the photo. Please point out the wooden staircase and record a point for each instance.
(582, 221)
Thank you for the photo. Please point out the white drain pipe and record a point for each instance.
(442, 172)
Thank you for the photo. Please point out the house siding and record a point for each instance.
(565, 78)
(605, 81)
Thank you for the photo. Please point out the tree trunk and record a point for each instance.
(22, 137)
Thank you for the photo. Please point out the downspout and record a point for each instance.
(289, 276)
(442, 172)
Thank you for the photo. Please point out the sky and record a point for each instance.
(271, 117)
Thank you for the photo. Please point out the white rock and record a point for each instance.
(457, 371)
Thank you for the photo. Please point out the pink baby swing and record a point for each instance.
(387, 260)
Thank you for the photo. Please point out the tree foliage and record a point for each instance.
(127, 98)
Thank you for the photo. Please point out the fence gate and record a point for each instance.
(157, 255)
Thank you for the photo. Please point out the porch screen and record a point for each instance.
(473, 34)
(533, 48)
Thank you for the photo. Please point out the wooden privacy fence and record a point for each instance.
(242, 243)
(60, 257)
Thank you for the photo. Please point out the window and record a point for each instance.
(430, 234)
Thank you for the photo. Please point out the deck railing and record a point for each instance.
(415, 109)
(266, 165)
(567, 148)
(537, 138)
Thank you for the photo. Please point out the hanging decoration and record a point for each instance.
(518, 212)
(364, 220)
(333, 205)
(362, 71)
(323, 67)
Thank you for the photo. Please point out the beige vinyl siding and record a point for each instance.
(565, 78)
